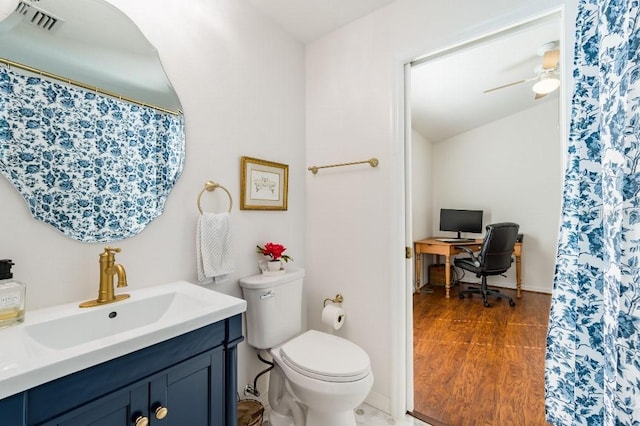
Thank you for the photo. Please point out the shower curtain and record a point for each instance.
(593, 342)
(97, 168)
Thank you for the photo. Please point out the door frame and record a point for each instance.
(402, 392)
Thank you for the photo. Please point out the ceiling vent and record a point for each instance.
(37, 17)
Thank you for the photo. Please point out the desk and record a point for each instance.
(441, 248)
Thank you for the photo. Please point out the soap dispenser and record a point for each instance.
(12, 295)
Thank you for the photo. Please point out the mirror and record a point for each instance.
(88, 41)
(91, 130)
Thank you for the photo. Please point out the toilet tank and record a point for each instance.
(274, 307)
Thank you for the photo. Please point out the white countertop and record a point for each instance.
(29, 358)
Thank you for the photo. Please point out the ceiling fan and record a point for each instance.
(546, 74)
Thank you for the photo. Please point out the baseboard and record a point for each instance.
(525, 287)
(545, 290)
(427, 419)
(531, 288)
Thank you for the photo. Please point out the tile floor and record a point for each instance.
(366, 415)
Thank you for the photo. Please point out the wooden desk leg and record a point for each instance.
(518, 277)
(418, 270)
(447, 275)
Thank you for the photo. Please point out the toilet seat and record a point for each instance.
(326, 357)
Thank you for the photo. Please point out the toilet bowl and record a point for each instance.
(318, 378)
(328, 375)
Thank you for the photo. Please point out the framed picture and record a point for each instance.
(263, 184)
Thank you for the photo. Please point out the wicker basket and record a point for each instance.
(250, 412)
(437, 274)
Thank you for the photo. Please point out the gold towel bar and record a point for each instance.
(211, 186)
(43, 73)
(373, 162)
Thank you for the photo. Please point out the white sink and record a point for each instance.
(79, 326)
(60, 340)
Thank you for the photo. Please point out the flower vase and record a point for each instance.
(274, 265)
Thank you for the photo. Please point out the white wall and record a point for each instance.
(421, 186)
(421, 191)
(511, 169)
(355, 216)
(240, 79)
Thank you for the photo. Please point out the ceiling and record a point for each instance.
(447, 92)
(308, 20)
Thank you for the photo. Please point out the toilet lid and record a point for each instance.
(326, 357)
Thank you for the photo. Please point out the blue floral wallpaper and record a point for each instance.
(593, 342)
(96, 168)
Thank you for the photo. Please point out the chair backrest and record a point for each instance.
(497, 247)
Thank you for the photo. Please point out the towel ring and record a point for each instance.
(211, 186)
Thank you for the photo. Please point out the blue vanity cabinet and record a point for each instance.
(190, 392)
(193, 393)
(12, 410)
(111, 410)
(193, 376)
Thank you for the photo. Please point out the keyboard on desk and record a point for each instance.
(455, 240)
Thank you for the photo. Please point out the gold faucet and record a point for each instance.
(108, 268)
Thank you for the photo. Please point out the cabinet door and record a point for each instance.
(117, 409)
(12, 410)
(192, 392)
(189, 393)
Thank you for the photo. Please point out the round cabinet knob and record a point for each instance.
(161, 412)
(142, 421)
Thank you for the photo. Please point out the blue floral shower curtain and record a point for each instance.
(593, 343)
(96, 168)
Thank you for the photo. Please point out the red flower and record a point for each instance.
(274, 251)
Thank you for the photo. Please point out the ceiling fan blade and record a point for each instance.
(510, 84)
(506, 85)
(550, 59)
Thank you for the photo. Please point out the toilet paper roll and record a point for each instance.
(333, 316)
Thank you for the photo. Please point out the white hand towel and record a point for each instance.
(213, 247)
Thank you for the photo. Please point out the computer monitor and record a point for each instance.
(461, 221)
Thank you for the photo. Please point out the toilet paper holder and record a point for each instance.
(338, 299)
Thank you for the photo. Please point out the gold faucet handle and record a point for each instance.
(108, 254)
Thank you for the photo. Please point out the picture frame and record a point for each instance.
(264, 184)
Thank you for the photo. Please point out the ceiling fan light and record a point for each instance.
(546, 85)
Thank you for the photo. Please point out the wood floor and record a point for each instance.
(479, 366)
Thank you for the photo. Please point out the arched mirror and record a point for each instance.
(91, 130)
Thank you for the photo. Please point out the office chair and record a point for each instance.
(494, 258)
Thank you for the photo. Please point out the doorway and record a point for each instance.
(462, 169)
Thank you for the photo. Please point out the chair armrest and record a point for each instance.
(470, 252)
(466, 249)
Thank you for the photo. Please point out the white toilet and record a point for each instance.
(318, 378)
